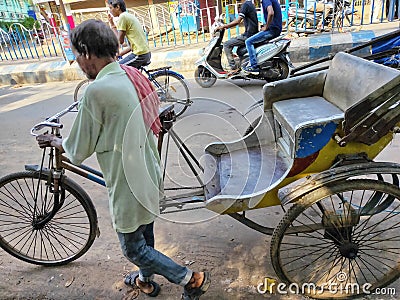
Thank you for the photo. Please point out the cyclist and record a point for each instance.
(129, 26)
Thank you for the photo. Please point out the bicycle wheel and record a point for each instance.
(340, 240)
(80, 89)
(171, 89)
(25, 200)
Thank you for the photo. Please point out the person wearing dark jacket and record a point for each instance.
(248, 15)
(271, 29)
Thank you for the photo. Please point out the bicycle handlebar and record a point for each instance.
(41, 125)
(53, 120)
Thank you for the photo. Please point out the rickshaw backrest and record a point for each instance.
(373, 117)
(368, 93)
(350, 79)
(354, 92)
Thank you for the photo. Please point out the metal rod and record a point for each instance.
(253, 225)
(172, 132)
(177, 142)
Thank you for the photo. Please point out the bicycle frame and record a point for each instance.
(151, 75)
(166, 88)
(58, 163)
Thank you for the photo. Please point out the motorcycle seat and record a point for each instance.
(241, 51)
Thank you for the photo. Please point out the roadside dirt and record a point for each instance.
(237, 256)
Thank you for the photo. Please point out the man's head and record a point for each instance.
(92, 41)
(116, 7)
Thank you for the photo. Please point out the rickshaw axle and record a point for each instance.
(349, 250)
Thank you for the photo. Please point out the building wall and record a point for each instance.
(100, 3)
(13, 10)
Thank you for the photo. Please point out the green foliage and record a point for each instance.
(29, 23)
(5, 25)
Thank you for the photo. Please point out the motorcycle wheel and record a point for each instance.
(283, 70)
(204, 77)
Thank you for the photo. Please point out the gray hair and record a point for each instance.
(94, 37)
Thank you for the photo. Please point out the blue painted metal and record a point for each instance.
(314, 138)
(96, 179)
(168, 72)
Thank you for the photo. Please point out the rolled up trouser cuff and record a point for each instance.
(145, 279)
(187, 278)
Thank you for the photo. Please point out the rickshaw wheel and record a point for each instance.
(340, 240)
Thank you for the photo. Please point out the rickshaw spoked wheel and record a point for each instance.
(343, 235)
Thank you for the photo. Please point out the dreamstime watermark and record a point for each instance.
(338, 285)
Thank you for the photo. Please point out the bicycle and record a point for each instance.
(46, 217)
(170, 86)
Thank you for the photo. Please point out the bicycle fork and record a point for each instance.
(53, 190)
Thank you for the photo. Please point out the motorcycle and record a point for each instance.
(272, 58)
(308, 19)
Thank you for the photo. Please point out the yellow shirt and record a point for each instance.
(110, 123)
(134, 33)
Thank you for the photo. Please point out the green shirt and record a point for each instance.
(110, 123)
(134, 33)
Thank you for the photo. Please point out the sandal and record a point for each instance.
(195, 293)
(130, 280)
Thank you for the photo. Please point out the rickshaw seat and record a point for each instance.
(301, 116)
(241, 169)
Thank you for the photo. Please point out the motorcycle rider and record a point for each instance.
(271, 29)
(248, 14)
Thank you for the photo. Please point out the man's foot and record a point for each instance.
(252, 70)
(197, 286)
(233, 71)
(150, 288)
(146, 287)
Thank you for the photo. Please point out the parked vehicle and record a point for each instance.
(38, 36)
(272, 57)
(301, 18)
(388, 52)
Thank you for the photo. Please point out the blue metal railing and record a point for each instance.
(167, 25)
(20, 43)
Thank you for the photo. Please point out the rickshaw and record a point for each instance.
(312, 152)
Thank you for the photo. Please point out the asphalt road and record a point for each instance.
(237, 256)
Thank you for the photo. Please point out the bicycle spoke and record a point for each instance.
(30, 231)
(365, 247)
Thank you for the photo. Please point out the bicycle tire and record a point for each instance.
(64, 238)
(80, 88)
(176, 91)
(343, 240)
